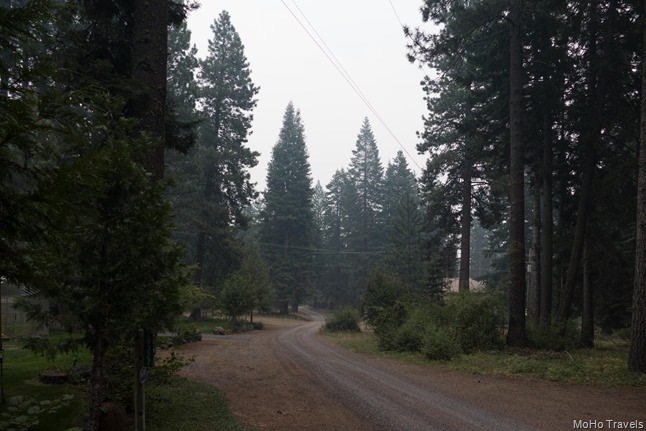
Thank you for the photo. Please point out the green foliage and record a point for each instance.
(23, 413)
(237, 296)
(440, 343)
(167, 368)
(386, 324)
(465, 324)
(287, 219)
(344, 318)
(381, 293)
(478, 320)
(408, 336)
(552, 339)
(51, 349)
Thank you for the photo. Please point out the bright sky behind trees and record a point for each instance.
(366, 38)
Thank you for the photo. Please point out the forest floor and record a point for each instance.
(286, 377)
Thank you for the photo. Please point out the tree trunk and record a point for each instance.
(97, 383)
(200, 248)
(535, 260)
(516, 333)
(583, 208)
(587, 319)
(465, 229)
(590, 142)
(149, 56)
(637, 352)
(547, 222)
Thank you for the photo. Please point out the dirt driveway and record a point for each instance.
(286, 378)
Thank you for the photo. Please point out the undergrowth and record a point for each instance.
(604, 365)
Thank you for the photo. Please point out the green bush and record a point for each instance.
(344, 318)
(386, 324)
(440, 343)
(478, 320)
(382, 291)
(408, 336)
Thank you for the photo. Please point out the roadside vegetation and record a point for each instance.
(171, 402)
(604, 365)
(466, 332)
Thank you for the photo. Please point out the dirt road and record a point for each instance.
(286, 378)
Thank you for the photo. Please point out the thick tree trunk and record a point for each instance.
(516, 332)
(587, 319)
(637, 352)
(149, 56)
(547, 222)
(465, 229)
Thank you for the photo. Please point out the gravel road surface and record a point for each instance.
(287, 377)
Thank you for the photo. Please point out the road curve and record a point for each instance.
(385, 400)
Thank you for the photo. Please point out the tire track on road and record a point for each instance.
(387, 401)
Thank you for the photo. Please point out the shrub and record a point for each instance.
(344, 318)
(478, 320)
(386, 324)
(382, 291)
(408, 337)
(440, 343)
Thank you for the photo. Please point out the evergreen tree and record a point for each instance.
(363, 212)
(221, 159)
(288, 219)
(399, 184)
(318, 208)
(182, 88)
(403, 223)
(366, 173)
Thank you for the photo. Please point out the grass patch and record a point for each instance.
(189, 406)
(603, 365)
(21, 369)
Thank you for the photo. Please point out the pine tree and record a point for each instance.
(182, 88)
(288, 219)
(318, 208)
(399, 184)
(366, 174)
(221, 157)
(403, 223)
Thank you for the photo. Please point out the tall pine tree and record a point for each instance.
(222, 159)
(288, 219)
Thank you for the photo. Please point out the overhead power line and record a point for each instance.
(346, 76)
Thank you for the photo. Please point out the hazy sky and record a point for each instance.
(366, 38)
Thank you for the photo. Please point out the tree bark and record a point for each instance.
(547, 222)
(465, 229)
(149, 56)
(535, 260)
(637, 351)
(590, 142)
(587, 319)
(96, 383)
(516, 335)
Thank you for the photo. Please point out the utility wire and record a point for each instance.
(346, 76)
